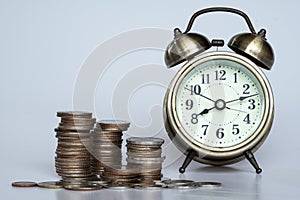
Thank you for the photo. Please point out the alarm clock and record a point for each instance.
(219, 107)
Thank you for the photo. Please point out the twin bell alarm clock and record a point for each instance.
(219, 107)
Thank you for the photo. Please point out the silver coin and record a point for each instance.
(174, 183)
(118, 187)
(145, 159)
(162, 179)
(145, 140)
(70, 114)
(148, 187)
(183, 187)
(83, 187)
(51, 184)
(207, 184)
(113, 122)
(100, 182)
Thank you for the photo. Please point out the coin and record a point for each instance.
(147, 187)
(51, 184)
(77, 123)
(83, 187)
(74, 128)
(145, 141)
(72, 134)
(184, 187)
(72, 131)
(100, 182)
(207, 184)
(119, 187)
(113, 125)
(77, 114)
(24, 184)
(176, 183)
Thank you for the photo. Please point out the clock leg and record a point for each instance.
(249, 155)
(187, 161)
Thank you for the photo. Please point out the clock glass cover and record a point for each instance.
(219, 103)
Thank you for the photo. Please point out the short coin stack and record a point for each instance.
(107, 144)
(73, 159)
(120, 175)
(144, 155)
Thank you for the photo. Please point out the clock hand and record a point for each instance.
(201, 95)
(241, 98)
(207, 98)
(236, 110)
(205, 111)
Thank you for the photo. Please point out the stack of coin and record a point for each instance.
(144, 155)
(107, 144)
(72, 159)
(120, 175)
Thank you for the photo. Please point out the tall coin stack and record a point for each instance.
(144, 155)
(72, 159)
(107, 144)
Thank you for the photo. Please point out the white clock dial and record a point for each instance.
(220, 103)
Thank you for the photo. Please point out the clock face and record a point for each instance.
(219, 103)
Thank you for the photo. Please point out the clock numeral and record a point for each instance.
(194, 119)
(247, 119)
(205, 78)
(220, 133)
(235, 129)
(220, 75)
(189, 104)
(235, 77)
(205, 129)
(195, 89)
(252, 104)
(246, 87)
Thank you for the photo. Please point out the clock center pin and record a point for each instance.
(220, 104)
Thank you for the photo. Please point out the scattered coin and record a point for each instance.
(51, 184)
(176, 183)
(24, 184)
(208, 184)
(184, 187)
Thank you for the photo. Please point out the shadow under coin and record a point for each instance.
(217, 169)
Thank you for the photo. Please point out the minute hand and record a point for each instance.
(241, 98)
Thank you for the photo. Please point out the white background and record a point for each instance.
(44, 43)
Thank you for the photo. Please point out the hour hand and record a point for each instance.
(205, 111)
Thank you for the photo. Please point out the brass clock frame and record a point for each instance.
(213, 155)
